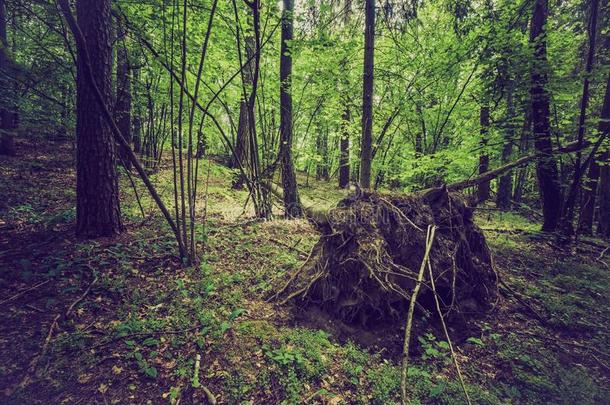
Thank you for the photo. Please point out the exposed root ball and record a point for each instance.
(364, 267)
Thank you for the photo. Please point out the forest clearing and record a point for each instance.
(304, 202)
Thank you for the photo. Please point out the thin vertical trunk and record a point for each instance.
(97, 192)
(122, 110)
(292, 203)
(344, 149)
(524, 145)
(346, 118)
(240, 156)
(137, 118)
(546, 166)
(366, 151)
(589, 199)
(505, 183)
(484, 189)
(604, 197)
(7, 121)
(567, 226)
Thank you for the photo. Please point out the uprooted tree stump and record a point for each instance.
(365, 265)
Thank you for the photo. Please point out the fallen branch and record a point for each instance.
(20, 293)
(405, 350)
(492, 174)
(31, 371)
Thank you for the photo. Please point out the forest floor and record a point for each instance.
(117, 321)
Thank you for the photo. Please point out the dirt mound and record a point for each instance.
(365, 265)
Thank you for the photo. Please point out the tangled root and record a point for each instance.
(364, 267)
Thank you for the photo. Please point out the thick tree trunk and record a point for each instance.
(122, 110)
(366, 150)
(7, 119)
(484, 189)
(97, 192)
(505, 184)
(546, 167)
(292, 202)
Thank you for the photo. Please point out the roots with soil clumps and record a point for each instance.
(364, 267)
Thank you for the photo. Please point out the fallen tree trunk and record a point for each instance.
(492, 174)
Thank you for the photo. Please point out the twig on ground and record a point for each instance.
(31, 371)
(279, 242)
(20, 293)
(517, 296)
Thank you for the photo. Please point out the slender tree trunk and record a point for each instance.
(243, 126)
(322, 172)
(366, 150)
(604, 197)
(137, 119)
(7, 119)
(546, 166)
(589, 199)
(122, 110)
(344, 149)
(98, 211)
(484, 189)
(591, 184)
(505, 183)
(524, 145)
(292, 202)
(569, 209)
(344, 172)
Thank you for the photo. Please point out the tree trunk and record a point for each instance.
(524, 145)
(122, 110)
(505, 184)
(604, 197)
(546, 167)
(484, 188)
(344, 149)
(344, 172)
(240, 156)
(7, 119)
(137, 119)
(292, 203)
(322, 172)
(569, 208)
(97, 192)
(366, 151)
(589, 199)
(590, 193)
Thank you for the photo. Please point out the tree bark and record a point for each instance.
(484, 189)
(546, 166)
(366, 150)
(292, 202)
(98, 211)
(122, 110)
